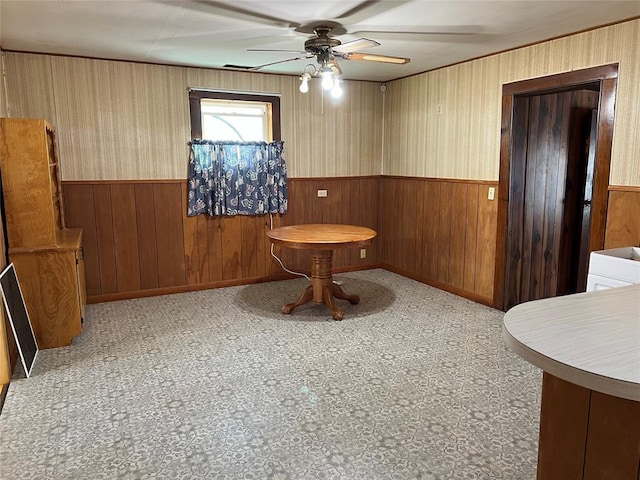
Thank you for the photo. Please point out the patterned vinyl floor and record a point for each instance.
(414, 383)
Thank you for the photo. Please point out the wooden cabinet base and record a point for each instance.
(586, 434)
(53, 289)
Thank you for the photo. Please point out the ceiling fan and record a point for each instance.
(327, 48)
(323, 43)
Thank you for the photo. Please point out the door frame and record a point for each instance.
(607, 78)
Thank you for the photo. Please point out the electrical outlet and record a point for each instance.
(322, 193)
(363, 253)
(492, 193)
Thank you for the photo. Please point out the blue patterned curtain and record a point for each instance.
(237, 178)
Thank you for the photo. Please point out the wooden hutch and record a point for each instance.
(47, 256)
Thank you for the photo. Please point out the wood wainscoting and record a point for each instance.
(138, 240)
(440, 232)
(623, 217)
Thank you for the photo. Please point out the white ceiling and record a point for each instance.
(207, 33)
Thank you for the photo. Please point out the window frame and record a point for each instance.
(195, 95)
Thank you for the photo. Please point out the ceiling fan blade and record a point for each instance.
(237, 40)
(275, 50)
(355, 45)
(368, 9)
(367, 57)
(231, 10)
(435, 33)
(426, 29)
(281, 61)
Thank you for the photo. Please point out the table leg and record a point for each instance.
(322, 289)
(327, 298)
(339, 293)
(305, 296)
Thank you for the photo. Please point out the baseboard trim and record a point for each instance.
(440, 285)
(155, 292)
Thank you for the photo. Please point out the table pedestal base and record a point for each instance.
(322, 289)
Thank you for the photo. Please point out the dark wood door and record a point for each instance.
(587, 205)
(549, 172)
(537, 226)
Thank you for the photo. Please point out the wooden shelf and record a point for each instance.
(47, 256)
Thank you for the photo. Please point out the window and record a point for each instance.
(235, 120)
(238, 117)
(236, 163)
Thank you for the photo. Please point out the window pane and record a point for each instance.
(221, 116)
(239, 129)
(234, 120)
(215, 128)
(232, 108)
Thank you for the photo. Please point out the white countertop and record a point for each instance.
(590, 339)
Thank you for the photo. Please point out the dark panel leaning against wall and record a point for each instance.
(138, 240)
(8, 349)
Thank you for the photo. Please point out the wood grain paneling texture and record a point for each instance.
(442, 232)
(585, 434)
(130, 121)
(51, 294)
(138, 237)
(547, 179)
(446, 123)
(623, 218)
(564, 421)
(613, 441)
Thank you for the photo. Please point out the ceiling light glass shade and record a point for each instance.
(327, 78)
(336, 91)
(304, 82)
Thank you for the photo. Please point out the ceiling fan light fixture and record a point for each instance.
(327, 78)
(336, 90)
(304, 82)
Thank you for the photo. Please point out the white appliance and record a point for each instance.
(617, 267)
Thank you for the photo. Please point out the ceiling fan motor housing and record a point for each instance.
(322, 41)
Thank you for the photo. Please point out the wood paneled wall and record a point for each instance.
(446, 123)
(139, 241)
(623, 217)
(130, 121)
(441, 232)
(349, 200)
(122, 120)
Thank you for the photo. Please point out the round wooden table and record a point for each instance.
(322, 240)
